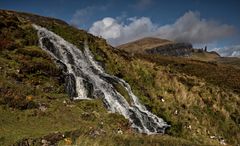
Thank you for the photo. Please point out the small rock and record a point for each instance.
(103, 131)
(222, 142)
(94, 133)
(68, 141)
(70, 105)
(162, 100)
(42, 108)
(119, 131)
(45, 142)
(189, 127)
(208, 132)
(212, 137)
(176, 112)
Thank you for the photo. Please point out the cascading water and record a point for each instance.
(86, 78)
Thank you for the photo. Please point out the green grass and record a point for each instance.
(59, 117)
(221, 75)
(130, 140)
(204, 94)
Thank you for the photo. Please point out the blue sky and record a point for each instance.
(162, 18)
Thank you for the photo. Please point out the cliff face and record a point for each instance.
(174, 49)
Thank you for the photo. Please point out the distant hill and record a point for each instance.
(143, 44)
(152, 45)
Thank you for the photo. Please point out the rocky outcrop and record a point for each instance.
(174, 49)
(160, 46)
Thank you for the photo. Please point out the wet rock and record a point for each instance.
(88, 85)
(50, 47)
(70, 85)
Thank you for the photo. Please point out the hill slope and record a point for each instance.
(158, 46)
(201, 107)
(144, 44)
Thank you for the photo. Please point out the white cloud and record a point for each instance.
(188, 28)
(117, 33)
(233, 51)
(108, 28)
(191, 28)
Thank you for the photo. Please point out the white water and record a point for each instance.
(81, 68)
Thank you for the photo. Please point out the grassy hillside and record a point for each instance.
(199, 99)
(139, 46)
(205, 56)
(233, 61)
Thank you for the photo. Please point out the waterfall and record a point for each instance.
(86, 79)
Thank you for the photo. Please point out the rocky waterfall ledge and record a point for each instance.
(86, 79)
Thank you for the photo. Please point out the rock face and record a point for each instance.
(174, 49)
(85, 77)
